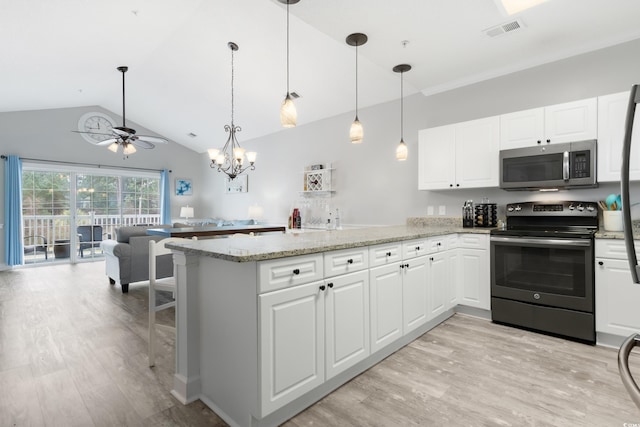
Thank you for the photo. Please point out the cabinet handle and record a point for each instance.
(401, 265)
(457, 185)
(349, 261)
(322, 287)
(417, 248)
(296, 271)
(406, 265)
(600, 263)
(388, 253)
(450, 185)
(439, 244)
(539, 142)
(548, 141)
(330, 285)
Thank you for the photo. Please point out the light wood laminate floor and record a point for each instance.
(73, 353)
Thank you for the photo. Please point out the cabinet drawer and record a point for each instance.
(613, 248)
(346, 261)
(385, 254)
(473, 241)
(451, 241)
(414, 248)
(286, 272)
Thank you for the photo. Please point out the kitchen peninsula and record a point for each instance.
(268, 325)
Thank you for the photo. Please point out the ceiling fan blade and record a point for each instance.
(119, 131)
(93, 133)
(152, 139)
(140, 143)
(108, 141)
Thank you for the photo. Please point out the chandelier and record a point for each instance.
(231, 159)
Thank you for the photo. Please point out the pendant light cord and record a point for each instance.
(356, 79)
(232, 75)
(124, 120)
(402, 106)
(287, 48)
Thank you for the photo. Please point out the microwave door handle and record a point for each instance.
(565, 166)
(634, 98)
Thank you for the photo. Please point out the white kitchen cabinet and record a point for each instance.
(415, 277)
(473, 271)
(617, 296)
(461, 155)
(291, 343)
(385, 292)
(346, 321)
(567, 122)
(437, 158)
(452, 283)
(438, 283)
(612, 113)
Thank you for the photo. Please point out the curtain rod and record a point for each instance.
(85, 164)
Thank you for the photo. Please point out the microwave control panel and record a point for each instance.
(580, 164)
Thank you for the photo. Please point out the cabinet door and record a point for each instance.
(291, 344)
(474, 277)
(521, 129)
(477, 147)
(436, 158)
(571, 121)
(346, 321)
(414, 293)
(385, 287)
(616, 298)
(438, 284)
(612, 113)
(453, 279)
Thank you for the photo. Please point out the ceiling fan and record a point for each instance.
(123, 136)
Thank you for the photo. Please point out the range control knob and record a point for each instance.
(571, 207)
(580, 207)
(510, 208)
(591, 208)
(518, 208)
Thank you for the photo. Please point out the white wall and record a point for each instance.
(46, 134)
(372, 187)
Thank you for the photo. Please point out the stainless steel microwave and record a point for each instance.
(552, 166)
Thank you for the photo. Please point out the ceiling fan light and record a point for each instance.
(401, 151)
(356, 133)
(129, 149)
(288, 113)
(113, 147)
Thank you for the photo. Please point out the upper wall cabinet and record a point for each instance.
(571, 121)
(461, 155)
(612, 112)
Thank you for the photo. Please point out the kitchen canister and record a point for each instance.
(612, 220)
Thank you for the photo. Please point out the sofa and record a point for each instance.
(127, 256)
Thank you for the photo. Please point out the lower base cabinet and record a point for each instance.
(473, 278)
(386, 305)
(310, 333)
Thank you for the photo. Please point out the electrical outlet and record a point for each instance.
(442, 210)
(430, 210)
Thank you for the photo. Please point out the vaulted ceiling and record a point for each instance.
(64, 53)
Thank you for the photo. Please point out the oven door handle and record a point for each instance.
(623, 366)
(544, 241)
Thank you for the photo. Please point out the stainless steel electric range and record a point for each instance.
(542, 268)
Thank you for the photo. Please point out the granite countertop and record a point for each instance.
(604, 234)
(245, 249)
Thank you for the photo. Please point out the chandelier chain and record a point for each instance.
(287, 48)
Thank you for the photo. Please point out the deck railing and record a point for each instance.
(58, 227)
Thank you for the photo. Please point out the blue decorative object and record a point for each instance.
(183, 187)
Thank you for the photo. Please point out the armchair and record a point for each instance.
(127, 257)
(89, 236)
(34, 244)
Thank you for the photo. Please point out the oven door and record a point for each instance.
(554, 272)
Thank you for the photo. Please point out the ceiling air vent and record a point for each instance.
(507, 27)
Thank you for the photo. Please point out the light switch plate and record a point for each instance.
(442, 210)
(430, 210)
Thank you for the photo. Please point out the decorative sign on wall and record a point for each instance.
(237, 185)
(183, 187)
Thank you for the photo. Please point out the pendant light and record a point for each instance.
(288, 113)
(356, 133)
(401, 150)
(230, 159)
